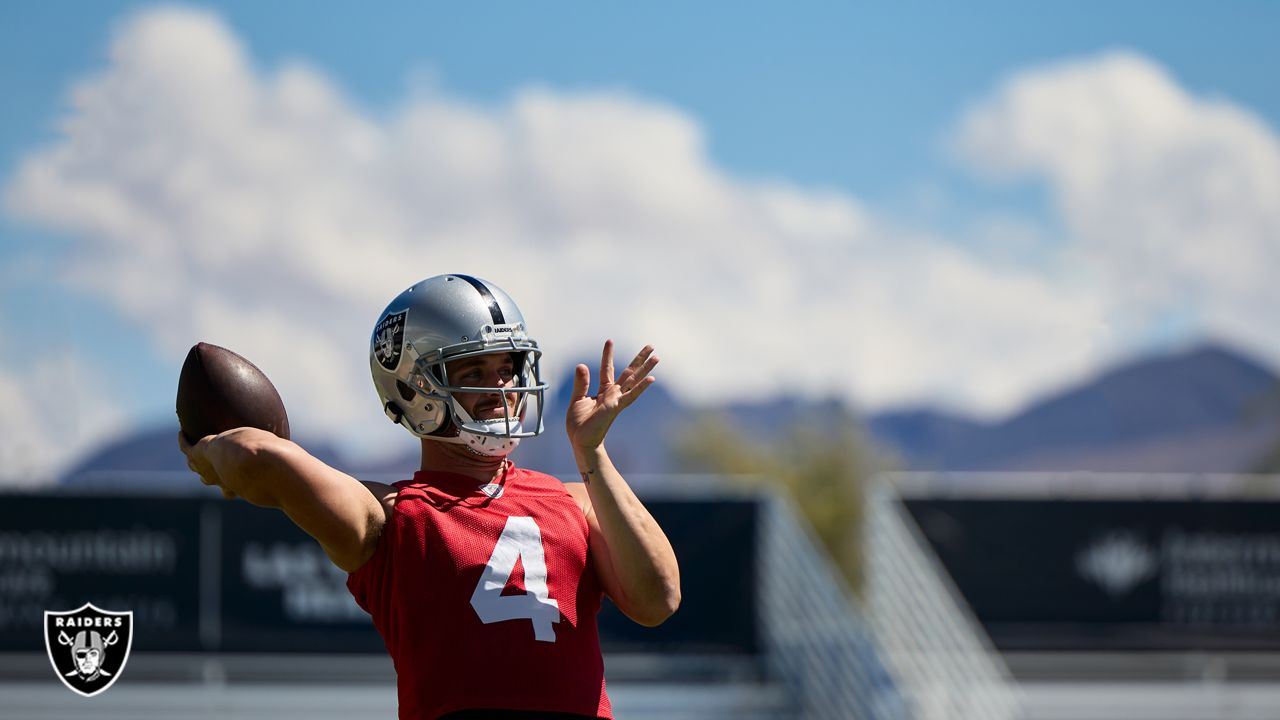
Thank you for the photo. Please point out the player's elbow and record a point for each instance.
(658, 609)
(669, 605)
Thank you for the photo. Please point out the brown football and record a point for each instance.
(218, 390)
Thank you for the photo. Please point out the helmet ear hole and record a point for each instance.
(406, 392)
(394, 412)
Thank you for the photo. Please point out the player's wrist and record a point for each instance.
(590, 459)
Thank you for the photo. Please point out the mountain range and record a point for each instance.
(1208, 409)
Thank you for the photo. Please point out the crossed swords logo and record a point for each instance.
(88, 647)
(387, 339)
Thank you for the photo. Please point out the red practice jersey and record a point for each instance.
(486, 598)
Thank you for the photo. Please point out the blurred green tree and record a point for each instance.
(824, 470)
(1269, 463)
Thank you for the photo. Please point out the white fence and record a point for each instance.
(938, 654)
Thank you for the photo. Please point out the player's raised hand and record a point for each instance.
(589, 416)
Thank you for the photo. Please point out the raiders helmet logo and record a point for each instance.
(88, 647)
(388, 339)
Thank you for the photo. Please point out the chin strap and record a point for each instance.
(496, 443)
(487, 445)
(492, 450)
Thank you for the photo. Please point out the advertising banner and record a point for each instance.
(121, 554)
(1113, 574)
(203, 574)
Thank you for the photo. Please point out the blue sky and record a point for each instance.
(959, 204)
(850, 94)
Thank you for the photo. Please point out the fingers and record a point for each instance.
(198, 464)
(606, 365)
(581, 378)
(636, 391)
(202, 471)
(187, 448)
(643, 363)
(633, 380)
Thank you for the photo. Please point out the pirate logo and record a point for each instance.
(88, 647)
(388, 338)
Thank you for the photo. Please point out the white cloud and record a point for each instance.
(266, 212)
(1171, 201)
(53, 407)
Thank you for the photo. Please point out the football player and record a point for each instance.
(483, 578)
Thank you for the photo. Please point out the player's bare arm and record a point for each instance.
(630, 552)
(343, 514)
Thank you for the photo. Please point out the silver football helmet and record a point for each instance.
(450, 317)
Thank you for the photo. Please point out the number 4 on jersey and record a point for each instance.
(521, 539)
